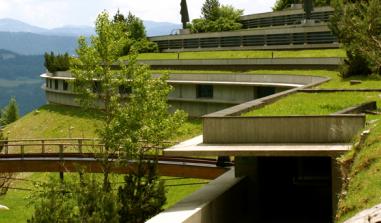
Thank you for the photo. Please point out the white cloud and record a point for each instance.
(54, 13)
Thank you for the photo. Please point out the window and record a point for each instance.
(265, 91)
(204, 91)
(50, 83)
(96, 87)
(47, 83)
(56, 84)
(125, 89)
(65, 85)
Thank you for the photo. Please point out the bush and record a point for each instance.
(145, 46)
(357, 25)
(54, 63)
(223, 18)
(10, 113)
(142, 196)
(355, 64)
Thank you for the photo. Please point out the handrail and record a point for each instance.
(60, 143)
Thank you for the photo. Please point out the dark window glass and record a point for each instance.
(50, 83)
(65, 85)
(265, 91)
(205, 91)
(125, 90)
(47, 83)
(56, 84)
(96, 87)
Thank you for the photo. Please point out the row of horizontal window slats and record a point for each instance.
(284, 20)
(252, 40)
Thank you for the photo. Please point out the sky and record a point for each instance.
(56, 13)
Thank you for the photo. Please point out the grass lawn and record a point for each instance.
(242, 54)
(314, 103)
(57, 121)
(21, 209)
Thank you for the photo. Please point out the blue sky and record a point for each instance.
(55, 13)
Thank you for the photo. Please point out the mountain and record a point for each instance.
(160, 28)
(71, 31)
(14, 66)
(35, 44)
(19, 78)
(12, 25)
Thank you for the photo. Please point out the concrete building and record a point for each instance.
(197, 94)
(266, 31)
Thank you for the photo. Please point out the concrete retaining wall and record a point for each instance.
(218, 202)
(282, 129)
(246, 64)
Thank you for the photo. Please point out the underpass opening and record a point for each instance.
(292, 189)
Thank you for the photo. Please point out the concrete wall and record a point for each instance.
(245, 64)
(260, 31)
(228, 90)
(282, 129)
(219, 201)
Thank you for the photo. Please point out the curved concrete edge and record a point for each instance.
(215, 202)
(245, 107)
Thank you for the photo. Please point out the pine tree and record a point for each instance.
(210, 9)
(10, 113)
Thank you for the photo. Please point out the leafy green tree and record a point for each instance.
(358, 27)
(136, 32)
(54, 203)
(217, 18)
(68, 201)
(10, 113)
(135, 27)
(142, 196)
(210, 9)
(283, 4)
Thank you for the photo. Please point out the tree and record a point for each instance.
(135, 122)
(135, 27)
(210, 10)
(54, 63)
(357, 25)
(136, 32)
(10, 113)
(283, 4)
(217, 18)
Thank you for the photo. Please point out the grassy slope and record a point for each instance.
(243, 54)
(52, 121)
(315, 103)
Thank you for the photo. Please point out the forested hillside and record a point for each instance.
(19, 78)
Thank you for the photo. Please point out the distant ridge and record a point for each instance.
(13, 25)
(36, 44)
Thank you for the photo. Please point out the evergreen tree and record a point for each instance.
(357, 24)
(283, 4)
(10, 113)
(210, 9)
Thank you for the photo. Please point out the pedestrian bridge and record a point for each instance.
(70, 155)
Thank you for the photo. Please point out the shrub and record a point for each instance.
(217, 18)
(54, 63)
(145, 46)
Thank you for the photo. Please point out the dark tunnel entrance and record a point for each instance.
(294, 189)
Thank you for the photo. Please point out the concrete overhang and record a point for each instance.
(241, 83)
(196, 147)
